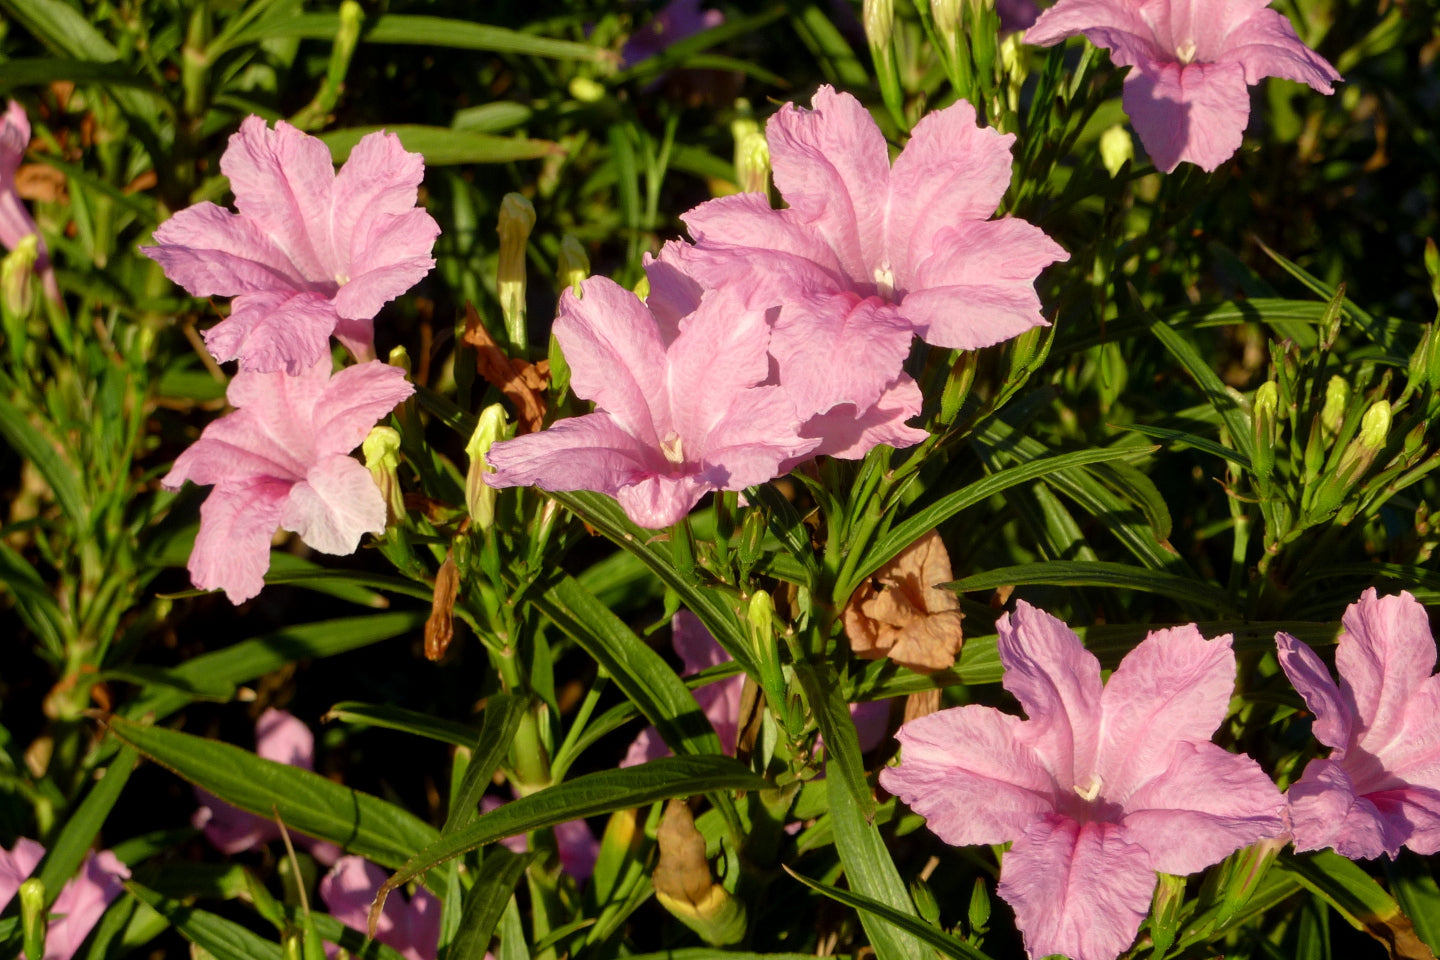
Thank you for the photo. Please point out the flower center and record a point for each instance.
(1185, 52)
(672, 448)
(342, 279)
(885, 281)
(1091, 789)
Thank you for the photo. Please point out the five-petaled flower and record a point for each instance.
(311, 252)
(1192, 61)
(1101, 788)
(917, 235)
(1379, 789)
(281, 460)
(680, 409)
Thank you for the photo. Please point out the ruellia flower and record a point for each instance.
(680, 409)
(410, 926)
(1100, 788)
(917, 235)
(281, 460)
(15, 221)
(575, 842)
(81, 902)
(283, 738)
(1379, 790)
(309, 253)
(1192, 62)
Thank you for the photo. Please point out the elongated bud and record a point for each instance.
(1337, 399)
(1374, 429)
(1432, 267)
(33, 918)
(683, 883)
(1266, 406)
(878, 16)
(1424, 369)
(479, 495)
(400, 357)
(440, 627)
(879, 19)
(574, 264)
(517, 219)
(760, 615)
(1240, 875)
(1165, 912)
(17, 276)
(979, 911)
(945, 15)
(1116, 149)
(752, 157)
(382, 458)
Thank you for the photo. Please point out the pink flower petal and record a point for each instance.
(335, 505)
(274, 330)
(388, 258)
(1105, 18)
(212, 252)
(840, 349)
(1077, 889)
(987, 792)
(81, 903)
(711, 371)
(352, 401)
(1326, 812)
(674, 294)
(1266, 46)
(1195, 112)
(232, 549)
(17, 863)
(1384, 656)
(578, 849)
(577, 453)
(848, 435)
(1312, 680)
(380, 179)
(1418, 808)
(697, 648)
(230, 829)
(410, 926)
(1204, 806)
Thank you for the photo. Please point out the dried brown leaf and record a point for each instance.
(523, 383)
(440, 627)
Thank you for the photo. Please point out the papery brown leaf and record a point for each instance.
(900, 613)
(39, 181)
(440, 627)
(523, 383)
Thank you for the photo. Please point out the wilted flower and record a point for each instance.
(311, 252)
(81, 902)
(1101, 788)
(905, 614)
(917, 236)
(281, 460)
(1379, 790)
(1192, 61)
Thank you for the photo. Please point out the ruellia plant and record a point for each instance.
(719, 481)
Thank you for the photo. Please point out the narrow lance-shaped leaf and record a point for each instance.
(486, 901)
(503, 714)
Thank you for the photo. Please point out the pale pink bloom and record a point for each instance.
(81, 902)
(283, 738)
(918, 235)
(699, 650)
(280, 460)
(15, 221)
(411, 926)
(1193, 61)
(1379, 789)
(1101, 788)
(679, 412)
(310, 252)
(574, 841)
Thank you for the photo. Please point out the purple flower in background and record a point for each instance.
(680, 410)
(574, 841)
(283, 738)
(311, 252)
(1101, 788)
(281, 460)
(1192, 62)
(1016, 14)
(15, 221)
(410, 926)
(1379, 789)
(81, 902)
(917, 235)
(677, 20)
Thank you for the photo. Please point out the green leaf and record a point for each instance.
(1417, 893)
(42, 71)
(33, 601)
(307, 802)
(244, 661)
(787, 525)
(32, 445)
(1190, 439)
(947, 944)
(500, 872)
(1076, 573)
(63, 859)
(715, 953)
(503, 713)
(1358, 898)
(640, 673)
(443, 145)
(589, 796)
(428, 32)
(406, 721)
(223, 939)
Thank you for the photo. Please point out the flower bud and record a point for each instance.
(752, 157)
(946, 16)
(1265, 407)
(1116, 149)
(587, 90)
(642, 288)
(573, 265)
(878, 16)
(1432, 267)
(1424, 369)
(382, 458)
(33, 916)
(480, 496)
(684, 885)
(400, 357)
(1361, 453)
(1337, 399)
(517, 219)
(17, 276)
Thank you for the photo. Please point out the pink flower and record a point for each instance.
(310, 253)
(1379, 789)
(283, 738)
(15, 221)
(677, 20)
(81, 902)
(410, 926)
(1099, 789)
(917, 235)
(680, 409)
(280, 460)
(574, 841)
(720, 701)
(1192, 60)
